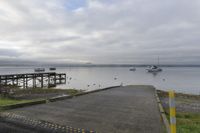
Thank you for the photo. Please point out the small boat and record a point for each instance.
(132, 69)
(52, 68)
(39, 69)
(153, 69)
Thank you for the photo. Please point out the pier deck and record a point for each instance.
(33, 80)
(130, 109)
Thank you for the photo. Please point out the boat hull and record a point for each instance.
(39, 69)
(154, 70)
(132, 69)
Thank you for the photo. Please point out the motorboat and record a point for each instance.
(153, 69)
(132, 69)
(52, 68)
(39, 69)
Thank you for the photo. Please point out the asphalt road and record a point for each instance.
(119, 110)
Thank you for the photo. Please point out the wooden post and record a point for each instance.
(41, 80)
(26, 81)
(65, 79)
(59, 78)
(17, 80)
(23, 81)
(55, 79)
(49, 80)
(13, 80)
(172, 109)
(6, 80)
(34, 81)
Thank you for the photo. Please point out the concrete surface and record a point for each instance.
(119, 110)
(12, 128)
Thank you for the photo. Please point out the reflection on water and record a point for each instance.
(182, 79)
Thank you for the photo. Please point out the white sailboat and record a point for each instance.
(154, 68)
(132, 69)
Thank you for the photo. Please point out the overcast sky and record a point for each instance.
(100, 31)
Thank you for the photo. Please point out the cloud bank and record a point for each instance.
(100, 31)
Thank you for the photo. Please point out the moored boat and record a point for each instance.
(153, 69)
(52, 68)
(132, 69)
(39, 69)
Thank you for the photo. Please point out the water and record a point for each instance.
(181, 79)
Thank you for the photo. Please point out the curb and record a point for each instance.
(13, 106)
(162, 113)
(93, 91)
(54, 99)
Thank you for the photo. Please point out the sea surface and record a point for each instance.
(180, 79)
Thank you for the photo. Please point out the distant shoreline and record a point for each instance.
(103, 65)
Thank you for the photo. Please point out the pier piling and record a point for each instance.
(38, 79)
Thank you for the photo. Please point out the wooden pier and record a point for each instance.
(34, 80)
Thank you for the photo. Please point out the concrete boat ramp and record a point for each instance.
(129, 109)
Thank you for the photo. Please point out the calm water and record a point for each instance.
(181, 79)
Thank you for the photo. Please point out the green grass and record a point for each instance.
(8, 101)
(47, 90)
(187, 122)
(19, 91)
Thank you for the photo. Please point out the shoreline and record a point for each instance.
(184, 102)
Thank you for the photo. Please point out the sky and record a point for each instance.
(100, 31)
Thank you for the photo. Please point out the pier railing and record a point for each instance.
(33, 80)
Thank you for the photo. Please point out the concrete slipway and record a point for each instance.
(129, 109)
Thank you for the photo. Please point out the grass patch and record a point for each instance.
(73, 91)
(8, 101)
(46, 91)
(19, 91)
(188, 122)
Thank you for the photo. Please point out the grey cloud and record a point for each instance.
(9, 52)
(58, 39)
(102, 31)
